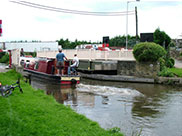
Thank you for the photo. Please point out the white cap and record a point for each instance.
(59, 47)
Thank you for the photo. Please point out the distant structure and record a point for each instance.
(178, 42)
(30, 46)
(146, 37)
(89, 46)
(105, 42)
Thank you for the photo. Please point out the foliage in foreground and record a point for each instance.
(148, 52)
(35, 114)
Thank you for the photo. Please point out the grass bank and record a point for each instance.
(34, 113)
(176, 71)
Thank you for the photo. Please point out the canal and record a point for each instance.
(153, 110)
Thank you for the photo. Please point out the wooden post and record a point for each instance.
(10, 62)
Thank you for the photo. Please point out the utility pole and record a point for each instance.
(127, 22)
(127, 26)
(1, 28)
(136, 16)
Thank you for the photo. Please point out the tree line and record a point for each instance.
(116, 41)
(66, 44)
(160, 37)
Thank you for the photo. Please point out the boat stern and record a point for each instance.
(69, 80)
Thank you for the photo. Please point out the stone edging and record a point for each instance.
(133, 79)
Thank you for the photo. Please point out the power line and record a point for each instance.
(74, 10)
(69, 11)
(39, 6)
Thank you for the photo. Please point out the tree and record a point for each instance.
(161, 38)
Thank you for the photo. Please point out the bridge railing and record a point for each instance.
(89, 54)
(83, 54)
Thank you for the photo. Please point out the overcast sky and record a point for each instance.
(27, 23)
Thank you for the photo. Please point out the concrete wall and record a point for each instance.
(97, 65)
(126, 68)
(133, 68)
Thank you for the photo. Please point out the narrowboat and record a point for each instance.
(45, 69)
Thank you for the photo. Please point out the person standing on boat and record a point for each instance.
(60, 61)
(74, 66)
(22, 53)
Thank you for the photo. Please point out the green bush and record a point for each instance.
(162, 63)
(172, 60)
(5, 58)
(146, 51)
(2, 54)
(166, 73)
(170, 63)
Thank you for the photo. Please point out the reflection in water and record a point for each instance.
(129, 106)
(61, 94)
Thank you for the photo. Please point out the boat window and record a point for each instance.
(36, 65)
(22, 62)
(27, 65)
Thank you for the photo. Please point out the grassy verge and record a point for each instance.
(176, 71)
(34, 113)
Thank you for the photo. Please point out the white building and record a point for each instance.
(30, 46)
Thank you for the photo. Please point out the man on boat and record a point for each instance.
(74, 66)
(22, 53)
(60, 61)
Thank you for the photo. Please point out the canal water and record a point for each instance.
(153, 110)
